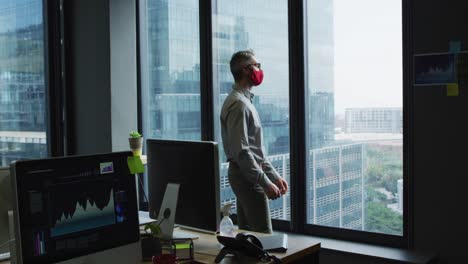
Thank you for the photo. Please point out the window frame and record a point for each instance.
(406, 240)
(298, 133)
(54, 77)
(55, 81)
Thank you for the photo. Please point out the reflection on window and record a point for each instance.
(355, 115)
(22, 84)
(170, 69)
(261, 25)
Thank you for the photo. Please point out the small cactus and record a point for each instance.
(135, 134)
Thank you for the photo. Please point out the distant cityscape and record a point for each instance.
(22, 84)
(340, 151)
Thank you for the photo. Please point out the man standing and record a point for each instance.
(253, 179)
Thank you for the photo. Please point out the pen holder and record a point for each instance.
(150, 246)
(136, 144)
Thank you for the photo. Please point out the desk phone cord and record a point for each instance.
(267, 258)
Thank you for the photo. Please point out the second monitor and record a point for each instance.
(195, 166)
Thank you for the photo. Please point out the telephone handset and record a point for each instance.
(246, 244)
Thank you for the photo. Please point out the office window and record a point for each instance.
(23, 110)
(355, 143)
(170, 69)
(261, 25)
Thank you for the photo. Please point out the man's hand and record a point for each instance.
(272, 191)
(282, 185)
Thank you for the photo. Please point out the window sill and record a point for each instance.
(375, 252)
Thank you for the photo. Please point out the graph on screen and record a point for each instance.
(80, 206)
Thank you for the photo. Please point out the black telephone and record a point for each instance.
(246, 244)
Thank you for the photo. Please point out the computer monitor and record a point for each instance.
(72, 207)
(5, 206)
(194, 165)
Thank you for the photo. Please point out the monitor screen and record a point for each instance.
(73, 206)
(195, 166)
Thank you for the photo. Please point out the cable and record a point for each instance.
(275, 259)
(161, 221)
(6, 243)
(269, 258)
(143, 189)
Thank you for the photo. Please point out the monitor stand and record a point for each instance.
(167, 214)
(167, 210)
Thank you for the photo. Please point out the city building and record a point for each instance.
(374, 120)
(336, 192)
(173, 98)
(22, 83)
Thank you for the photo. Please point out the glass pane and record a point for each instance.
(22, 83)
(355, 142)
(170, 69)
(261, 25)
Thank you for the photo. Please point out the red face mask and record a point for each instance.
(256, 77)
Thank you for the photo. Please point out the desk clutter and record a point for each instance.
(166, 250)
(247, 244)
(91, 213)
(161, 251)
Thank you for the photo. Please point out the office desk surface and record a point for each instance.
(207, 247)
(299, 246)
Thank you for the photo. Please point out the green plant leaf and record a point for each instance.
(154, 229)
(135, 134)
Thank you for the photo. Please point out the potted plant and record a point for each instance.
(136, 142)
(151, 241)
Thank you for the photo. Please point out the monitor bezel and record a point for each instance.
(133, 234)
(216, 202)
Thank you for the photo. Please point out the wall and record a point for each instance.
(123, 72)
(440, 139)
(89, 75)
(102, 37)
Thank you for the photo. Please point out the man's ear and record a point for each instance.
(245, 70)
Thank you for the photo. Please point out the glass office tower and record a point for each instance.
(171, 94)
(336, 170)
(22, 84)
(261, 26)
(170, 58)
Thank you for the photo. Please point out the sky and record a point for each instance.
(368, 54)
(19, 13)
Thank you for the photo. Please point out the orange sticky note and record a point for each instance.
(452, 89)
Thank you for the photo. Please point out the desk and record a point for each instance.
(301, 249)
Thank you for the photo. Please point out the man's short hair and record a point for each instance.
(237, 62)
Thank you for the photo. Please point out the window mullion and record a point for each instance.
(298, 114)
(206, 70)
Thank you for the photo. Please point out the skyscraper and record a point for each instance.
(173, 94)
(171, 69)
(22, 83)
